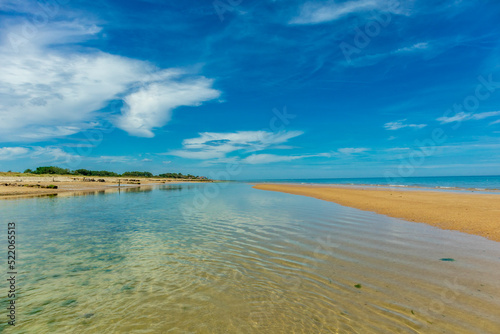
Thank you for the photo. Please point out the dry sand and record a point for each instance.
(27, 186)
(477, 214)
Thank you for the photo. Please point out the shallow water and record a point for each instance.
(226, 258)
(485, 182)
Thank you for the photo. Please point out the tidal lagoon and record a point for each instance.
(187, 259)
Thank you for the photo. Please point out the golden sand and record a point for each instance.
(477, 214)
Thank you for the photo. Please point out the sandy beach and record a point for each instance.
(28, 186)
(477, 214)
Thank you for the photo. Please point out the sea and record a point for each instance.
(488, 182)
(228, 258)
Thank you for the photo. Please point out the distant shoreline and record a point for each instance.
(35, 186)
(461, 183)
(493, 191)
(470, 213)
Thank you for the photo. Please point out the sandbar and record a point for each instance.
(30, 186)
(477, 214)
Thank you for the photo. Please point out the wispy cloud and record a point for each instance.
(463, 116)
(39, 153)
(52, 154)
(397, 149)
(12, 153)
(49, 92)
(112, 159)
(57, 155)
(485, 115)
(401, 125)
(317, 12)
(352, 150)
(320, 12)
(414, 49)
(272, 158)
(216, 145)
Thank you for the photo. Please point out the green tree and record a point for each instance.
(52, 170)
(138, 174)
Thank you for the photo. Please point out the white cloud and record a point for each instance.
(11, 153)
(320, 12)
(46, 93)
(270, 158)
(485, 115)
(213, 145)
(401, 125)
(152, 106)
(112, 159)
(147, 160)
(414, 47)
(56, 155)
(397, 149)
(463, 116)
(42, 154)
(52, 154)
(421, 48)
(455, 118)
(352, 150)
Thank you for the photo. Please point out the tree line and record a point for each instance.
(53, 170)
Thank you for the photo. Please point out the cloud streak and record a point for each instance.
(352, 150)
(414, 49)
(12, 153)
(397, 125)
(316, 12)
(255, 159)
(39, 153)
(216, 145)
(463, 116)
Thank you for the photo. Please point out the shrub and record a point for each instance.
(52, 170)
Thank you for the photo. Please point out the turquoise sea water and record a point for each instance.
(226, 258)
(461, 182)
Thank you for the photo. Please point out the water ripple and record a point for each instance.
(250, 262)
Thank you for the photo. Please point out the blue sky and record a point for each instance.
(268, 89)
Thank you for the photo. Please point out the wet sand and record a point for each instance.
(477, 214)
(29, 186)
